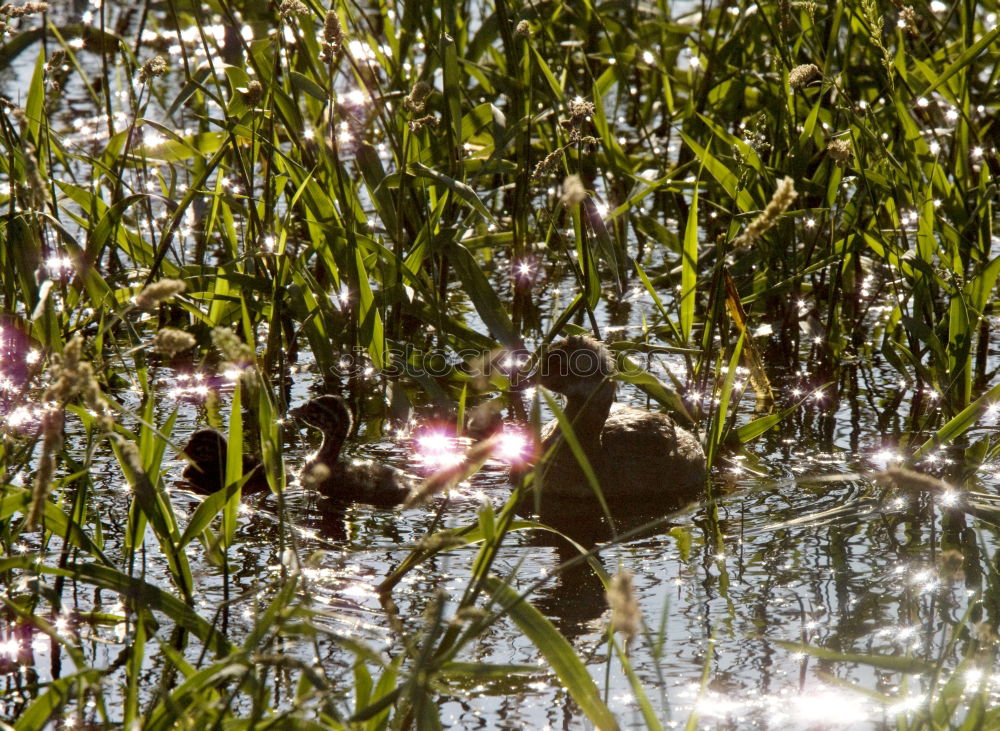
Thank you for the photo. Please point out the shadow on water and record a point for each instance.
(577, 596)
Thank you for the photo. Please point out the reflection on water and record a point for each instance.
(816, 554)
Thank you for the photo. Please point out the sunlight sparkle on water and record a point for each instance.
(10, 648)
(59, 266)
(523, 270)
(827, 706)
(973, 676)
(361, 51)
(885, 457)
(436, 448)
(20, 416)
(232, 373)
(910, 703)
(189, 384)
(356, 97)
(513, 446)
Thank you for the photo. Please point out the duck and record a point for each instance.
(206, 451)
(639, 457)
(342, 481)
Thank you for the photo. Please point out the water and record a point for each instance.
(797, 546)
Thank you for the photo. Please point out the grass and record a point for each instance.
(360, 183)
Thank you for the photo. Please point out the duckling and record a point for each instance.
(634, 453)
(206, 472)
(362, 481)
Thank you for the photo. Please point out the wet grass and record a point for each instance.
(797, 191)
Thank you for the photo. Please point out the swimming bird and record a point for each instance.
(206, 471)
(362, 481)
(634, 453)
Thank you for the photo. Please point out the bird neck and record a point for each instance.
(588, 412)
(329, 448)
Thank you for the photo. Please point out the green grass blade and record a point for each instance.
(557, 651)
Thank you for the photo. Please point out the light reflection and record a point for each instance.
(513, 446)
(949, 498)
(59, 266)
(973, 676)
(910, 703)
(356, 97)
(824, 705)
(10, 648)
(436, 448)
(233, 373)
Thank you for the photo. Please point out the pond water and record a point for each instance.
(793, 544)
(796, 544)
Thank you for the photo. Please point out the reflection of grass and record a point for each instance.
(367, 193)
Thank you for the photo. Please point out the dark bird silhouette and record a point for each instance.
(206, 471)
(636, 455)
(362, 481)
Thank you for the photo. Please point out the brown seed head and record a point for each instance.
(158, 292)
(573, 191)
(170, 341)
(19, 11)
(153, 67)
(415, 100)
(548, 165)
(232, 348)
(802, 75)
(253, 94)
(625, 614)
(839, 150)
(333, 37)
(783, 196)
(292, 7)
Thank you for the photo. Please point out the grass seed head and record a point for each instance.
(839, 151)
(232, 348)
(253, 94)
(573, 191)
(314, 475)
(153, 67)
(333, 37)
(418, 124)
(159, 292)
(292, 7)
(548, 165)
(780, 201)
(19, 11)
(416, 99)
(625, 614)
(802, 75)
(52, 440)
(170, 341)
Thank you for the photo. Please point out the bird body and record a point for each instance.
(635, 454)
(362, 481)
(205, 473)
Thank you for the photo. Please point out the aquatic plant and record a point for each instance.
(218, 204)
